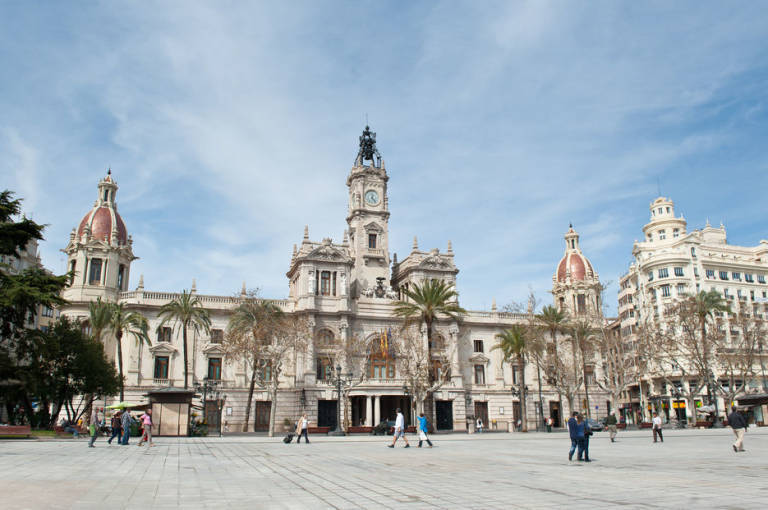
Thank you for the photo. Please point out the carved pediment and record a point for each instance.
(435, 262)
(373, 227)
(479, 357)
(328, 252)
(163, 349)
(213, 350)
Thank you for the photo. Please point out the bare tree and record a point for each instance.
(562, 369)
(618, 367)
(289, 335)
(423, 370)
(738, 355)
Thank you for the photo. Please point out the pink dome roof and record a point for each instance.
(578, 265)
(100, 221)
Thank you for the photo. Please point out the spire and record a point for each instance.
(242, 291)
(345, 242)
(141, 282)
(493, 305)
(450, 246)
(194, 286)
(306, 232)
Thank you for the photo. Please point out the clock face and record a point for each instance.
(371, 197)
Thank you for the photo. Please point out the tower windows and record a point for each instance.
(94, 277)
(120, 277)
(662, 235)
(581, 303)
(327, 282)
(372, 241)
(675, 232)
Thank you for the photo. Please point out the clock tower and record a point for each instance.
(368, 218)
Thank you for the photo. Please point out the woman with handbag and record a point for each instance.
(423, 428)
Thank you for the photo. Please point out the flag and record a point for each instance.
(390, 349)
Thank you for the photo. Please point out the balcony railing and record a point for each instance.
(162, 382)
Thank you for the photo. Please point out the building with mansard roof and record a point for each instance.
(345, 290)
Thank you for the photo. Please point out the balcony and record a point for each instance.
(162, 382)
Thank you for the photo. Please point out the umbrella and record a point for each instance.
(123, 405)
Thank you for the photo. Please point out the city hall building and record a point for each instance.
(343, 289)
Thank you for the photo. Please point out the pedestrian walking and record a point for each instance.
(399, 430)
(549, 424)
(125, 423)
(423, 429)
(116, 426)
(576, 431)
(479, 425)
(657, 428)
(587, 435)
(146, 422)
(611, 422)
(739, 426)
(301, 429)
(94, 426)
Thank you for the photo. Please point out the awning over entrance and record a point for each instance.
(753, 400)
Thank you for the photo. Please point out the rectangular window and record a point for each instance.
(265, 370)
(665, 290)
(217, 335)
(47, 311)
(478, 346)
(723, 275)
(680, 289)
(333, 284)
(678, 271)
(161, 367)
(710, 273)
(120, 276)
(663, 272)
(736, 276)
(324, 369)
(749, 278)
(214, 369)
(676, 232)
(662, 235)
(725, 293)
(515, 374)
(372, 241)
(581, 303)
(761, 278)
(164, 334)
(325, 283)
(739, 294)
(479, 374)
(696, 272)
(693, 252)
(650, 276)
(94, 277)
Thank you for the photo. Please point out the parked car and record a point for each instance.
(595, 425)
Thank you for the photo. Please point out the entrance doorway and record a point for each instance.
(554, 413)
(261, 418)
(481, 411)
(357, 411)
(679, 407)
(388, 405)
(212, 416)
(444, 414)
(326, 413)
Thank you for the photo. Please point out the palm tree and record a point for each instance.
(99, 315)
(515, 344)
(135, 324)
(427, 301)
(553, 320)
(704, 304)
(581, 334)
(249, 326)
(186, 310)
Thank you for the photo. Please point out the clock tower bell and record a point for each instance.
(368, 218)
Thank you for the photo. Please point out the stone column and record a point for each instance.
(376, 410)
(369, 411)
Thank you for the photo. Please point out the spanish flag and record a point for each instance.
(383, 344)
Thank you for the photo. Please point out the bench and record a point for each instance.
(60, 431)
(16, 430)
(360, 429)
(646, 425)
(318, 430)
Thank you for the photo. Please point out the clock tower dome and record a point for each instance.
(368, 218)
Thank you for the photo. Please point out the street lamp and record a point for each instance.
(340, 380)
(211, 387)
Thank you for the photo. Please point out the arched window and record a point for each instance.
(325, 337)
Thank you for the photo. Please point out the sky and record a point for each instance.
(230, 125)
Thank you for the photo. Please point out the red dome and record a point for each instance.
(100, 220)
(578, 265)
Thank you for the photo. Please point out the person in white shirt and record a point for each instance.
(479, 425)
(657, 427)
(301, 429)
(399, 430)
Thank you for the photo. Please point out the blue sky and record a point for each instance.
(231, 125)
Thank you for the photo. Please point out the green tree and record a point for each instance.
(99, 318)
(427, 302)
(21, 295)
(516, 345)
(250, 327)
(136, 325)
(186, 311)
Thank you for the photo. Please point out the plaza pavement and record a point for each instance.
(691, 469)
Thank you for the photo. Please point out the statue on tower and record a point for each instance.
(368, 149)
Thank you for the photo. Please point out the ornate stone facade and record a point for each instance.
(346, 290)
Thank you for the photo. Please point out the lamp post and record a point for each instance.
(340, 380)
(210, 387)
